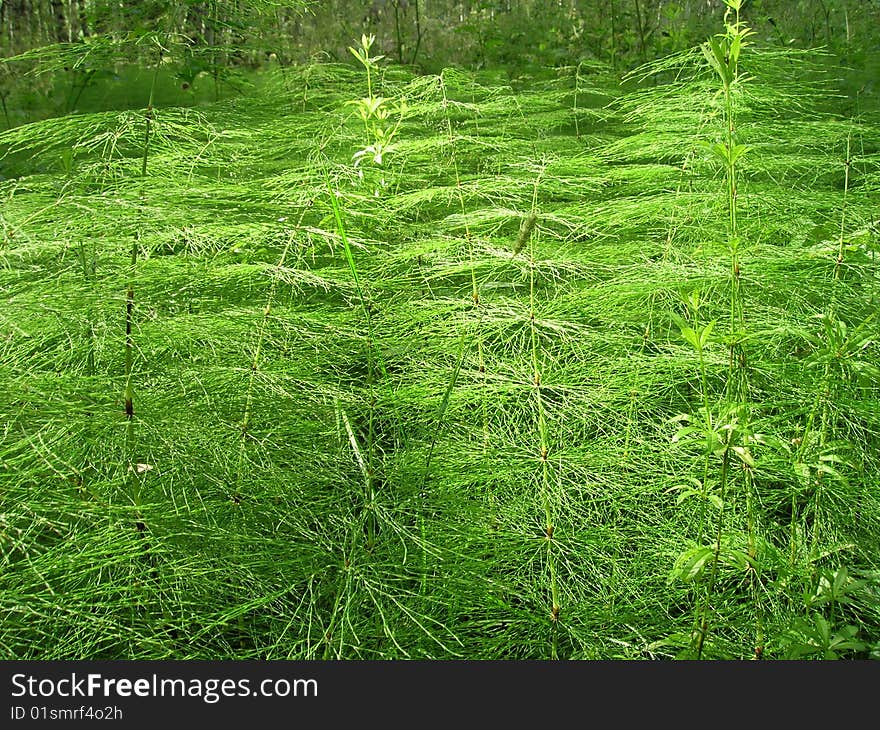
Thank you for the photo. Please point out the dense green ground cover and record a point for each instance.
(553, 378)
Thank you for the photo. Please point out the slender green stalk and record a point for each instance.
(841, 242)
(255, 364)
(475, 289)
(543, 438)
(716, 555)
(134, 471)
(397, 33)
(723, 53)
(821, 403)
(375, 362)
(148, 121)
(737, 385)
(415, 54)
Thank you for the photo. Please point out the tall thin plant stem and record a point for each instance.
(134, 471)
(543, 442)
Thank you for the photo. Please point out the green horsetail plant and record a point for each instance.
(135, 472)
(471, 335)
(721, 436)
(547, 501)
(577, 92)
(816, 461)
(820, 459)
(256, 359)
(88, 261)
(465, 546)
(475, 293)
(470, 332)
(723, 53)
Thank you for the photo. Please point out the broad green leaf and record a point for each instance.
(705, 332)
(717, 58)
(735, 44)
(686, 494)
(691, 336)
(686, 431)
(691, 563)
(738, 151)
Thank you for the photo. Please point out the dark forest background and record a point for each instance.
(438, 33)
(80, 54)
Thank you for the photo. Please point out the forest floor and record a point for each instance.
(445, 366)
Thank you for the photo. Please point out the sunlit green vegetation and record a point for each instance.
(349, 360)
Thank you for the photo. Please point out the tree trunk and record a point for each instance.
(59, 21)
(83, 18)
(418, 32)
(641, 29)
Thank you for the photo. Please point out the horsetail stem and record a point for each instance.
(255, 360)
(129, 340)
(823, 397)
(723, 52)
(475, 289)
(525, 235)
(375, 361)
(716, 555)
